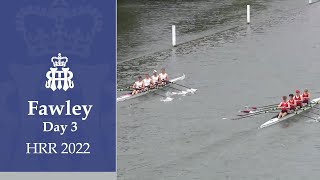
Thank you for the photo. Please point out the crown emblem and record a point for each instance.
(59, 78)
(59, 61)
(47, 30)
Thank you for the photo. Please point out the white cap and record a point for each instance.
(154, 71)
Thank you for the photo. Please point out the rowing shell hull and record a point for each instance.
(277, 120)
(130, 96)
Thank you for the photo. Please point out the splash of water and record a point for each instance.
(179, 93)
(168, 99)
(183, 93)
(192, 91)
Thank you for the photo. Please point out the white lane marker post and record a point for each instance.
(174, 43)
(248, 14)
(310, 1)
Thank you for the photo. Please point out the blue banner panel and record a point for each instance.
(58, 86)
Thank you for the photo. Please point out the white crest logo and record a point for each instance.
(58, 74)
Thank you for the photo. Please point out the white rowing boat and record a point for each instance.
(277, 120)
(130, 96)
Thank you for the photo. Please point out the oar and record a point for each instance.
(250, 115)
(269, 107)
(159, 94)
(243, 117)
(174, 88)
(259, 110)
(253, 114)
(125, 89)
(181, 85)
(315, 107)
(314, 113)
(260, 107)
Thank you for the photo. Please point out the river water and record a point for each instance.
(231, 64)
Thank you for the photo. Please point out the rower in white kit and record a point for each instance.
(163, 76)
(148, 82)
(138, 86)
(155, 79)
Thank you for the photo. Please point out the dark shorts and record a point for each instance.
(299, 104)
(305, 101)
(164, 81)
(146, 87)
(284, 111)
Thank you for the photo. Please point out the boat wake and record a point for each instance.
(192, 91)
(168, 99)
(183, 93)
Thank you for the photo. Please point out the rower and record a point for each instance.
(155, 78)
(306, 96)
(284, 107)
(163, 76)
(138, 86)
(298, 99)
(292, 103)
(148, 83)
